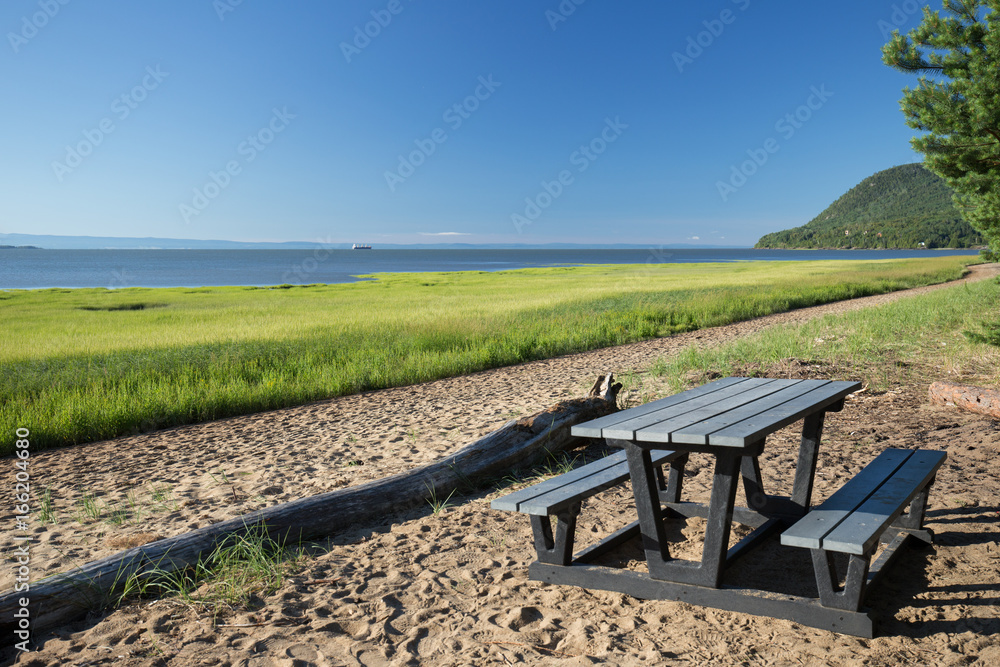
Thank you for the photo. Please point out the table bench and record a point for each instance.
(863, 512)
(562, 497)
(730, 419)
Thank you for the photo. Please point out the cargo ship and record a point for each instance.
(361, 246)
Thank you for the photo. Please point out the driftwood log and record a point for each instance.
(69, 596)
(974, 399)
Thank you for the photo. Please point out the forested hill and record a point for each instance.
(901, 207)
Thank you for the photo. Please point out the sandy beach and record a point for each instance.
(451, 588)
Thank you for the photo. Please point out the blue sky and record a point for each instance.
(420, 121)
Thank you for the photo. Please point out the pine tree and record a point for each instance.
(957, 103)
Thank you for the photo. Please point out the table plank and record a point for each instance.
(810, 530)
(594, 428)
(662, 430)
(626, 430)
(752, 429)
(879, 510)
(699, 434)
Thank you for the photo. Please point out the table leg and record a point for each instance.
(675, 480)
(720, 518)
(753, 486)
(555, 548)
(647, 503)
(805, 468)
(708, 572)
(849, 596)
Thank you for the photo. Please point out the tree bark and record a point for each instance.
(974, 399)
(69, 596)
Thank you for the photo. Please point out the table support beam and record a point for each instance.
(805, 469)
(675, 480)
(807, 611)
(849, 596)
(647, 503)
(555, 548)
(753, 484)
(708, 572)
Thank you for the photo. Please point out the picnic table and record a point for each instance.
(730, 420)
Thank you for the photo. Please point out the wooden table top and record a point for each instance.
(731, 412)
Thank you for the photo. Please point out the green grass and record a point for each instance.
(89, 364)
(917, 339)
(46, 513)
(241, 566)
(988, 333)
(90, 509)
(437, 504)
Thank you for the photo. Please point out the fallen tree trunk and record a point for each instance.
(71, 595)
(974, 399)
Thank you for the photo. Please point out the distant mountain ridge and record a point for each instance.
(901, 207)
(128, 243)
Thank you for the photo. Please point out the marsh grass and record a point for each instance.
(162, 497)
(988, 333)
(222, 478)
(919, 336)
(90, 364)
(128, 510)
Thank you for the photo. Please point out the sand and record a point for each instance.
(451, 588)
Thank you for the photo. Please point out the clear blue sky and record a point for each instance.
(116, 112)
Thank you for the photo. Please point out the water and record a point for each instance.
(35, 269)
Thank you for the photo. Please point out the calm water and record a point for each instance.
(34, 269)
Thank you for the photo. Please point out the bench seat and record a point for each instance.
(562, 496)
(557, 494)
(863, 511)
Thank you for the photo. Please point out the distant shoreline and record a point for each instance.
(114, 269)
(976, 248)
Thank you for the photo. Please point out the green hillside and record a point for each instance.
(900, 207)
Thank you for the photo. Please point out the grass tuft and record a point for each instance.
(46, 511)
(438, 505)
(243, 565)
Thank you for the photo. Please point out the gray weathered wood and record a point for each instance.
(64, 597)
(743, 433)
(663, 430)
(704, 430)
(805, 465)
(660, 426)
(861, 531)
(805, 611)
(572, 487)
(595, 428)
(672, 409)
(512, 501)
(809, 531)
(647, 504)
